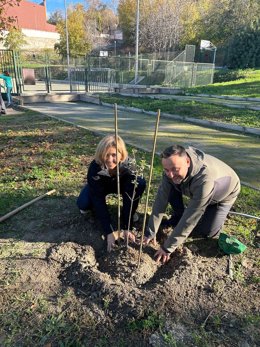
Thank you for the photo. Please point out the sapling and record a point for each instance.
(117, 174)
(149, 184)
(139, 169)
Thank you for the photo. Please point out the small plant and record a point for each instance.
(106, 302)
(169, 340)
(151, 323)
(238, 273)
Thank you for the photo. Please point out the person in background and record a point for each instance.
(102, 180)
(9, 87)
(212, 187)
(2, 104)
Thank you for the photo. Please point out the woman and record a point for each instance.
(102, 180)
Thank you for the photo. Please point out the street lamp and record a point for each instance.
(67, 39)
(137, 42)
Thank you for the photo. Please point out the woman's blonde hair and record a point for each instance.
(106, 143)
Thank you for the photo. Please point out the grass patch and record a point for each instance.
(191, 109)
(242, 83)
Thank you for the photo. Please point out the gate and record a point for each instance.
(9, 62)
(100, 79)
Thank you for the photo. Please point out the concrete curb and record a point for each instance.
(227, 97)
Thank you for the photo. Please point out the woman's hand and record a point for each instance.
(147, 240)
(129, 235)
(110, 241)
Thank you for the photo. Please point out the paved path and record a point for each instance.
(239, 151)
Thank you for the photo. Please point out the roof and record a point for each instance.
(30, 15)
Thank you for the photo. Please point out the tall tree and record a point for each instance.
(127, 20)
(217, 21)
(160, 25)
(6, 21)
(79, 42)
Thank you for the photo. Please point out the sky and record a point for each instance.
(53, 5)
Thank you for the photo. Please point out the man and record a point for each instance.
(212, 187)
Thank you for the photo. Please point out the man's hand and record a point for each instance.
(162, 256)
(129, 235)
(110, 241)
(148, 240)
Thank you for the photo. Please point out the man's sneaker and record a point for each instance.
(83, 211)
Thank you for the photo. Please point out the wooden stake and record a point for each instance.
(149, 184)
(117, 175)
(18, 209)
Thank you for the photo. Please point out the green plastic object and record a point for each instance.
(230, 245)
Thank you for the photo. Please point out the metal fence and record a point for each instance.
(48, 74)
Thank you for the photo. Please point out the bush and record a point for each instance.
(226, 75)
(244, 51)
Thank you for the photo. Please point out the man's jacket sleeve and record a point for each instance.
(201, 197)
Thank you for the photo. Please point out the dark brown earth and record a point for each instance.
(187, 302)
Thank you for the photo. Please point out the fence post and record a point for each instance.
(47, 82)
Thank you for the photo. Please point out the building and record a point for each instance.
(32, 20)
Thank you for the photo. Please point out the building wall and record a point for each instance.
(31, 18)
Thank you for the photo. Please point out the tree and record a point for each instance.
(15, 39)
(217, 21)
(6, 21)
(244, 50)
(55, 17)
(160, 25)
(127, 20)
(79, 42)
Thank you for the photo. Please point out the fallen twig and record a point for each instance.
(18, 209)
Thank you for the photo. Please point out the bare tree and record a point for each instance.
(160, 24)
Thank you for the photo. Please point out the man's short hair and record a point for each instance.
(173, 150)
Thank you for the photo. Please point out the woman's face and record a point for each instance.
(110, 158)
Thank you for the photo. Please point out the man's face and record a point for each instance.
(176, 167)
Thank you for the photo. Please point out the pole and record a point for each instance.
(117, 174)
(67, 41)
(137, 41)
(149, 185)
(115, 48)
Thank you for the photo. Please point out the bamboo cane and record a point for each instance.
(117, 175)
(18, 209)
(149, 184)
